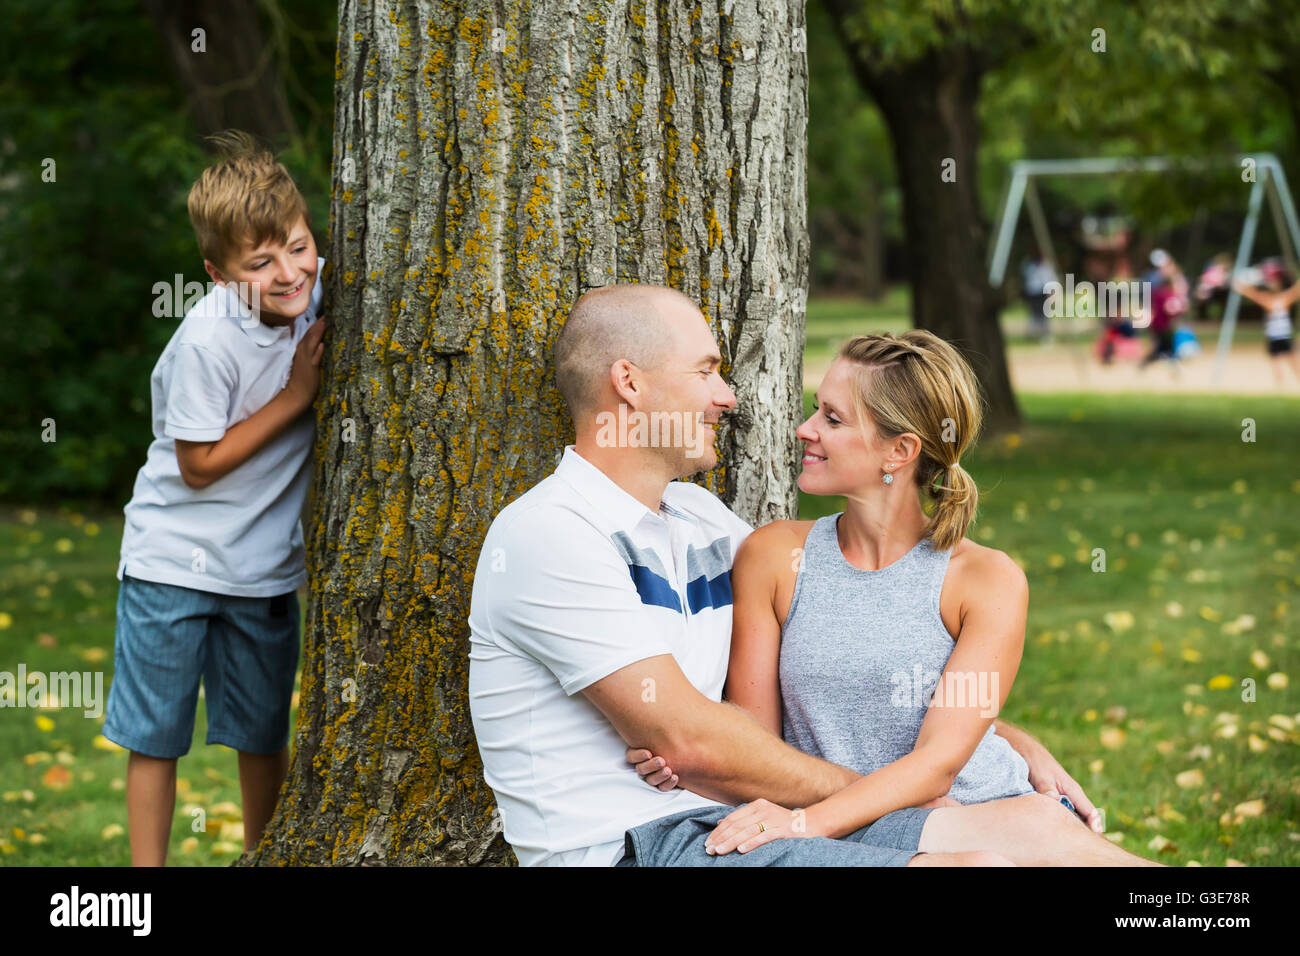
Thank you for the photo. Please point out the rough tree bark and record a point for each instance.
(486, 172)
(930, 105)
(235, 82)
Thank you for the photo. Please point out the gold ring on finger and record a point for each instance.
(761, 827)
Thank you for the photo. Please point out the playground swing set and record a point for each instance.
(1262, 170)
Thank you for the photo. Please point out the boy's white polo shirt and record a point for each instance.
(240, 535)
(577, 579)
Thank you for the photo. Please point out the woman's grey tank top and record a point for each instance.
(861, 656)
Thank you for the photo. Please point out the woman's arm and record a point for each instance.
(752, 681)
(989, 646)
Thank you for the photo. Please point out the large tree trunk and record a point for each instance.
(930, 105)
(486, 173)
(234, 82)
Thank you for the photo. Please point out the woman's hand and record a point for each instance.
(754, 824)
(653, 770)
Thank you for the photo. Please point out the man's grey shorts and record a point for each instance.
(678, 840)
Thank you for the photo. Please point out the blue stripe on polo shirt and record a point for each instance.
(708, 570)
(705, 592)
(653, 589)
(648, 573)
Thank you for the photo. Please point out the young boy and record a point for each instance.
(212, 550)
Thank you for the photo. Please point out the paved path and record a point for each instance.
(1070, 368)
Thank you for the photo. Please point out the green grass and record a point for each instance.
(1116, 681)
(1185, 511)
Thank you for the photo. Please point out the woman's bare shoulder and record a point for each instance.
(774, 549)
(777, 537)
(982, 566)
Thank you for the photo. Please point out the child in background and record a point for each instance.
(1168, 301)
(212, 549)
(1276, 303)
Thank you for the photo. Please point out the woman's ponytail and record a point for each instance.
(956, 498)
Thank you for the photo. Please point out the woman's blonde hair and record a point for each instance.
(916, 382)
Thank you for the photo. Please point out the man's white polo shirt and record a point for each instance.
(240, 535)
(576, 580)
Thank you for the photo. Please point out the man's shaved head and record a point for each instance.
(609, 324)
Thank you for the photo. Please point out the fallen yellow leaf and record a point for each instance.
(1112, 738)
(1190, 778)
(1251, 808)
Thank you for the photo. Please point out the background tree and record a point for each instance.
(229, 70)
(853, 196)
(487, 172)
(924, 66)
(88, 238)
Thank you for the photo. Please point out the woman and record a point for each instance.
(843, 625)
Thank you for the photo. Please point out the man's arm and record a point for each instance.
(717, 750)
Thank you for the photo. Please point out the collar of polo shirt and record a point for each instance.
(605, 495)
(255, 329)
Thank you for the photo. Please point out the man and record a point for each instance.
(601, 620)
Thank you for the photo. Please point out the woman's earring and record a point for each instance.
(887, 478)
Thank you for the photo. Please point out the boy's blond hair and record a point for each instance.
(246, 196)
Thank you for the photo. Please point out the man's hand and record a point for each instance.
(656, 772)
(1046, 775)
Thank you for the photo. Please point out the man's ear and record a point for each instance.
(625, 378)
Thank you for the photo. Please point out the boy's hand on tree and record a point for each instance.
(304, 378)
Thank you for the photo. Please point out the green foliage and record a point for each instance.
(78, 337)
(850, 161)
